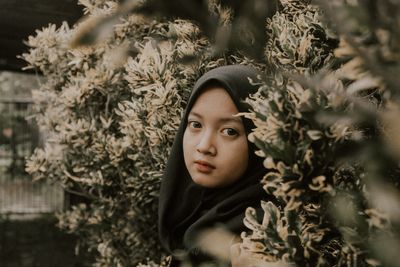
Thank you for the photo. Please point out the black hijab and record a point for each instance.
(186, 208)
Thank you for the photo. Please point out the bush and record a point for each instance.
(324, 118)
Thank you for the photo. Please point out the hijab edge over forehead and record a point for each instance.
(234, 79)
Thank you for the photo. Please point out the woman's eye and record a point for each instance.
(230, 132)
(194, 124)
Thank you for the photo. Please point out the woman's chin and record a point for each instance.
(204, 181)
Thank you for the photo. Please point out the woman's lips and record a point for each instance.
(203, 166)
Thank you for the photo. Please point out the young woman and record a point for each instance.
(212, 174)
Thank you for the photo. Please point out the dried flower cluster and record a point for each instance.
(298, 40)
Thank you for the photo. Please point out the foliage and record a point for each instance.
(325, 138)
(111, 111)
(298, 39)
(325, 119)
(110, 122)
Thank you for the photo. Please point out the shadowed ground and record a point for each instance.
(36, 242)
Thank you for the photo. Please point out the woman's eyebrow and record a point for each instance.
(193, 113)
(228, 119)
(233, 119)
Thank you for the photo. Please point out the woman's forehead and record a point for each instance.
(214, 99)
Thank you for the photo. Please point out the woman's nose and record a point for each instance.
(206, 144)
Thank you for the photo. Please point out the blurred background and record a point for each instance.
(111, 98)
(28, 232)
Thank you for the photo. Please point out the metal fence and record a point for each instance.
(18, 139)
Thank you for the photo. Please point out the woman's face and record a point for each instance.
(215, 143)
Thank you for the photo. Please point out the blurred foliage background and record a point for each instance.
(116, 84)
